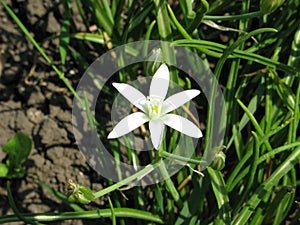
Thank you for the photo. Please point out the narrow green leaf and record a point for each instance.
(103, 17)
(92, 214)
(96, 38)
(187, 9)
(221, 195)
(82, 14)
(277, 151)
(193, 208)
(64, 37)
(159, 198)
(201, 10)
(253, 105)
(233, 17)
(140, 16)
(180, 28)
(294, 57)
(170, 185)
(284, 91)
(209, 48)
(269, 6)
(106, 7)
(255, 124)
(165, 33)
(237, 43)
(266, 187)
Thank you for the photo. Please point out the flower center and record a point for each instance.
(154, 107)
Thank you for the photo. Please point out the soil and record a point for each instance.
(35, 101)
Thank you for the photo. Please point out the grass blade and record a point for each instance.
(267, 187)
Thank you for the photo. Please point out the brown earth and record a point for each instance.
(35, 101)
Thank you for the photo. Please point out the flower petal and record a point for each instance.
(156, 128)
(131, 94)
(182, 125)
(178, 99)
(160, 83)
(127, 124)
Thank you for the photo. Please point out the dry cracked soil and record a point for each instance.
(35, 101)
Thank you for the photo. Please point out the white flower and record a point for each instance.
(155, 109)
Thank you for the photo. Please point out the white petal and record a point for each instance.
(178, 99)
(131, 94)
(182, 125)
(160, 83)
(127, 124)
(156, 128)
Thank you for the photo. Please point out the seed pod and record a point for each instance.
(219, 161)
(269, 6)
(79, 193)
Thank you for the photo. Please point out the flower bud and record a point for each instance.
(79, 193)
(219, 161)
(269, 6)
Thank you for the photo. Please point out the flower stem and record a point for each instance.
(133, 177)
(170, 185)
(165, 154)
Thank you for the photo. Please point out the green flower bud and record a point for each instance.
(79, 193)
(219, 161)
(269, 6)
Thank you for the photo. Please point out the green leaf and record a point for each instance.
(264, 188)
(187, 9)
(202, 8)
(269, 6)
(3, 170)
(159, 198)
(96, 38)
(165, 33)
(64, 38)
(221, 194)
(102, 15)
(18, 149)
(217, 50)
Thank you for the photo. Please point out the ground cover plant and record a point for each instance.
(252, 48)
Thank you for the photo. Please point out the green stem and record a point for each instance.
(170, 185)
(141, 173)
(113, 216)
(183, 159)
(234, 17)
(12, 203)
(93, 214)
(180, 28)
